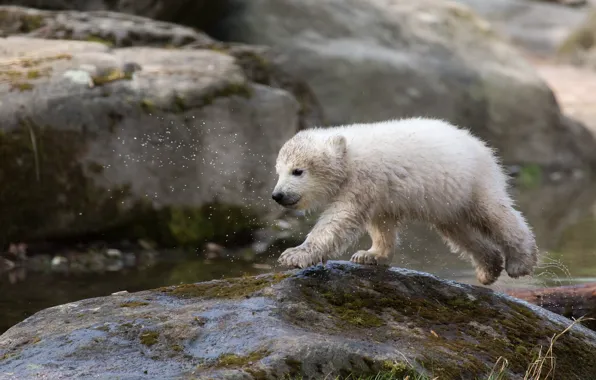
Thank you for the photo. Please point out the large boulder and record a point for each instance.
(175, 145)
(321, 322)
(379, 59)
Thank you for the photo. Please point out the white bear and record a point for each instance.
(375, 177)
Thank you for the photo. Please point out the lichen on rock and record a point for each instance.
(339, 320)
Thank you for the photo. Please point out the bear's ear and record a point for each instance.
(338, 145)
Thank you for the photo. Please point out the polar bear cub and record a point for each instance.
(375, 177)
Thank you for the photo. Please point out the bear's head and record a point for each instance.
(312, 169)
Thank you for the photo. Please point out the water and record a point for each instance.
(563, 215)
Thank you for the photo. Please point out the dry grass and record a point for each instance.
(499, 371)
(543, 367)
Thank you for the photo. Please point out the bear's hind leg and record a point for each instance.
(486, 256)
(383, 232)
(508, 228)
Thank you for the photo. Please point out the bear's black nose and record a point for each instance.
(277, 197)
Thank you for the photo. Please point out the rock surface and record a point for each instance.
(111, 28)
(320, 321)
(379, 59)
(197, 13)
(537, 26)
(579, 48)
(88, 132)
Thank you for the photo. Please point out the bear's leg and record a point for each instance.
(508, 228)
(486, 256)
(383, 232)
(340, 226)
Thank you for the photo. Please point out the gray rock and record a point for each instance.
(380, 59)
(322, 321)
(110, 28)
(197, 13)
(535, 25)
(579, 48)
(84, 139)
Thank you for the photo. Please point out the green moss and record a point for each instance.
(232, 89)
(177, 348)
(10, 74)
(148, 106)
(351, 308)
(134, 304)
(179, 104)
(33, 74)
(257, 373)
(111, 76)
(183, 227)
(530, 176)
(98, 39)
(149, 338)
(21, 86)
(295, 366)
(8, 356)
(32, 23)
(17, 77)
(192, 226)
(389, 370)
(237, 361)
(231, 288)
(400, 370)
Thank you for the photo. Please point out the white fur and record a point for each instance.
(374, 177)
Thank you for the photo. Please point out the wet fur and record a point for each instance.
(375, 177)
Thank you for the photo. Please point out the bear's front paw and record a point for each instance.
(299, 257)
(369, 258)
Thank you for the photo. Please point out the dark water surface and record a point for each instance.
(563, 215)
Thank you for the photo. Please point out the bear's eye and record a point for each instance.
(297, 172)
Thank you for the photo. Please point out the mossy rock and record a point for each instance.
(45, 184)
(338, 321)
(108, 28)
(151, 157)
(50, 193)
